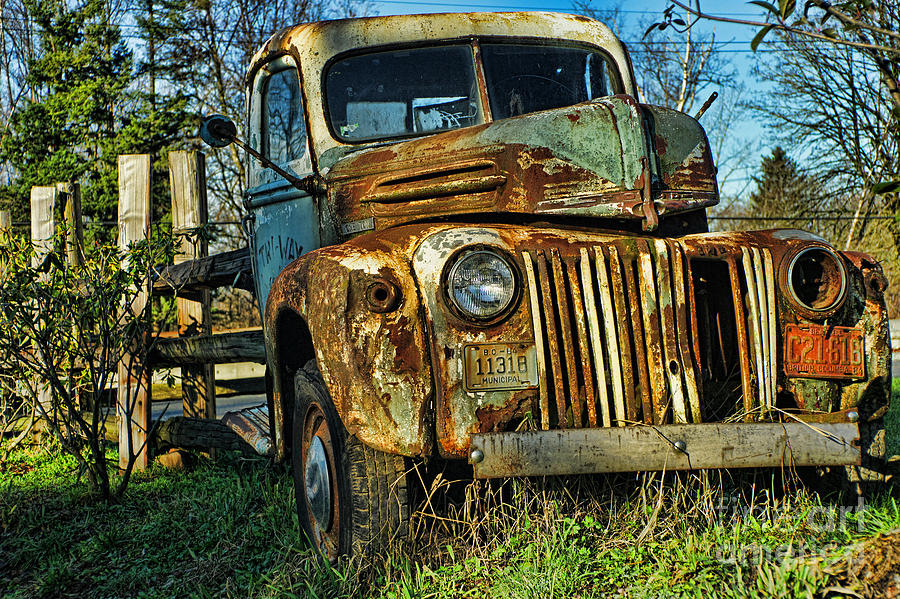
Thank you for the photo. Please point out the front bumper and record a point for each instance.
(663, 447)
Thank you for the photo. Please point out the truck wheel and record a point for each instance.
(351, 499)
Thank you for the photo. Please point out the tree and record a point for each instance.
(835, 95)
(208, 50)
(829, 101)
(69, 325)
(864, 25)
(65, 129)
(681, 72)
(785, 193)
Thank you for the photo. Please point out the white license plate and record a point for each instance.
(493, 366)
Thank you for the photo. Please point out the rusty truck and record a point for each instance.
(471, 241)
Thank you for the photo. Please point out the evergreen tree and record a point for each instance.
(66, 130)
(786, 194)
(161, 118)
(89, 103)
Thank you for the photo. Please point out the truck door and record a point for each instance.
(284, 220)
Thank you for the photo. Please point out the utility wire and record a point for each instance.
(112, 223)
(106, 223)
(797, 218)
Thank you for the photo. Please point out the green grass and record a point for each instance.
(222, 530)
(892, 420)
(228, 529)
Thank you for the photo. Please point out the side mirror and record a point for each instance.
(218, 131)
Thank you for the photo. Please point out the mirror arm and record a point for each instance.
(312, 184)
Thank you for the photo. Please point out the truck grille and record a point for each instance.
(638, 331)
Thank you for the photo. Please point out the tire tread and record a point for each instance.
(379, 513)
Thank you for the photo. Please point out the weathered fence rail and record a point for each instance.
(222, 348)
(219, 270)
(190, 280)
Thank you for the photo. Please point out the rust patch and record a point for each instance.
(491, 419)
(408, 357)
(661, 144)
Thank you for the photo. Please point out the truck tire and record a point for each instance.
(351, 499)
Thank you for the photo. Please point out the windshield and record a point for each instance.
(403, 92)
(399, 93)
(528, 78)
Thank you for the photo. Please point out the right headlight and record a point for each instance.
(481, 284)
(815, 281)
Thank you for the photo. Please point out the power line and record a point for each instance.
(113, 223)
(236, 29)
(800, 218)
(634, 45)
(539, 8)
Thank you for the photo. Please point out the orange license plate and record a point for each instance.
(824, 352)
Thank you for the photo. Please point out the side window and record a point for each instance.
(283, 127)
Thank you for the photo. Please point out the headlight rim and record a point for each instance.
(787, 287)
(455, 259)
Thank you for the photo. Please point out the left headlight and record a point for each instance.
(481, 284)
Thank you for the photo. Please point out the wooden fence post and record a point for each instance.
(43, 221)
(71, 196)
(133, 397)
(43, 225)
(187, 179)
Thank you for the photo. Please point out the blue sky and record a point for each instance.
(748, 134)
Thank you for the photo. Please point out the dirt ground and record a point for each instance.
(873, 569)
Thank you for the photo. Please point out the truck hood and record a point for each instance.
(609, 158)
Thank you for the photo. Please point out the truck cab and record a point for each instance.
(500, 256)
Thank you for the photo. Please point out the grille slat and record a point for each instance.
(552, 337)
(639, 342)
(764, 310)
(623, 336)
(695, 337)
(594, 326)
(584, 349)
(673, 366)
(757, 331)
(773, 340)
(652, 335)
(679, 284)
(612, 345)
(571, 378)
(741, 324)
(625, 330)
(538, 339)
(760, 277)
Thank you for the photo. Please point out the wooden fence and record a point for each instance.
(196, 349)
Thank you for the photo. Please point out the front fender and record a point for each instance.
(371, 353)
